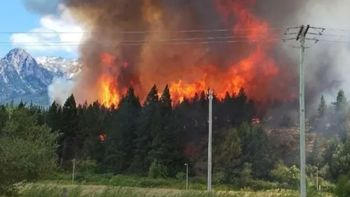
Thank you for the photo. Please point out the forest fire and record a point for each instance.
(240, 56)
(179, 90)
(109, 95)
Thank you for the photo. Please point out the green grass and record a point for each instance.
(58, 190)
(52, 190)
(123, 185)
(147, 182)
(127, 181)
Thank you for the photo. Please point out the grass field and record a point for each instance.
(65, 190)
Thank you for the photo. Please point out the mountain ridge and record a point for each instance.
(23, 78)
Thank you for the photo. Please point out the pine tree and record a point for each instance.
(322, 107)
(148, 123)
(91, 128)
(257, 150)
(315, 157)
(341, 103)
(340, 118)
(165, 102)
(120, 146)
(53, 119)
(243, 109)
(164, 141)
(4, 116)
(242, 97)
(227, 151)
(69, 128)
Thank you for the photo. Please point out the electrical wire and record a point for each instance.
(146, 32)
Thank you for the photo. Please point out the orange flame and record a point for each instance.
(253, 72)
(180, 90)
(109, 95)
(256, 71)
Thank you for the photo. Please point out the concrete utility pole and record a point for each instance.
(301, 36)
(303, 31)
(210, 121)
(186, 164)
(73, 170)
(317, 188)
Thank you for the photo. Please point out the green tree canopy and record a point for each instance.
(27, 150)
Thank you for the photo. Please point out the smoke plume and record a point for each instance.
(140, 43)
(60, 89)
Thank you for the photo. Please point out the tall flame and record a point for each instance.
(109, 95)
(252, 72)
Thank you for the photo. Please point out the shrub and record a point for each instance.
(262, 185)
(219, 177)
(86, 166)
(157, 170)
(343, 187)
(283, 174)
(180, 175)
(246, 174)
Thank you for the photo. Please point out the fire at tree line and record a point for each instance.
(156, 139)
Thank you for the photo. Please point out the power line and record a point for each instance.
(145, 40)
(193, 40)
(336, 41)
(338, 29)
(146, 32)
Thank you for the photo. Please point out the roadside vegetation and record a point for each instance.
(102, 191)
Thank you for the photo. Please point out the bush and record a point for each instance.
(157, 170)
(343, 187)
(246, 174)
(130, 181)
(287, 176)
(219, 177)
(180, 175)
(86, 166)
(262, 185)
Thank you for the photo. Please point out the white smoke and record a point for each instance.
(327, 62)
(330, 58)
(60, 89)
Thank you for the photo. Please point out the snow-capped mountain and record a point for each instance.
(67, 68)
(23, 78)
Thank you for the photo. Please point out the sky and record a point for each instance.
(23, 27)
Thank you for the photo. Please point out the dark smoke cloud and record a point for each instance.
(43, 7)
(152, 62)
(108, 18)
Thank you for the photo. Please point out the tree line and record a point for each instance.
(155, 138)
(130, 137)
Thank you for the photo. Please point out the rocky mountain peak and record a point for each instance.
(19, 59)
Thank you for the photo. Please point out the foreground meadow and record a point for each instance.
(62, 190)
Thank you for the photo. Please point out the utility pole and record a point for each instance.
(301, 37)
(317, 188)
(210, 121)
(73, 170)
(186, 164)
